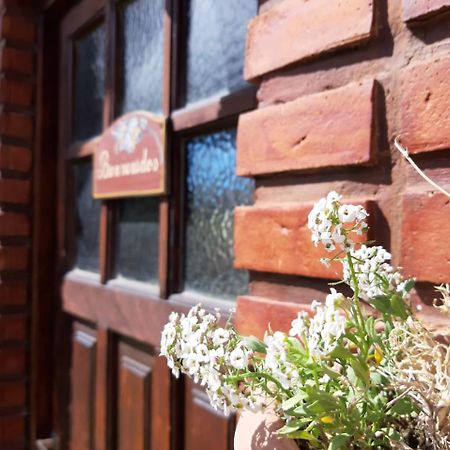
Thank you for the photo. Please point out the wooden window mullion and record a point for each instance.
(108, 217)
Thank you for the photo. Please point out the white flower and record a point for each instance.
(335, 299)
(220, 336)
(375, 276)
(300, 324)
(238, 358)
(327, 221)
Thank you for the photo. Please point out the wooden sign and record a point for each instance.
(130, 157)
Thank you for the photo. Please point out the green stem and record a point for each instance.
(356, 306)
(243, 376)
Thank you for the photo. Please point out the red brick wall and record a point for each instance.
(18, 36)
(337, 81)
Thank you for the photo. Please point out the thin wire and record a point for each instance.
(405, 154)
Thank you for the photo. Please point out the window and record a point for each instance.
(89, 77)
(87, 219)
(213, 190)
(141, 36)
(183, 61)
(215, 46)
(137, 239)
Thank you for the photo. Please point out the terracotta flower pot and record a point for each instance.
(257, 431)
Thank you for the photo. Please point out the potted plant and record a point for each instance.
(342, 378)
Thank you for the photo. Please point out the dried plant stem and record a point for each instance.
(405, 154)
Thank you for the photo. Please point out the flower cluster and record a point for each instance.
(374, 274)
(339, 379)
(276, 361)
(196, 346)
(331, 222)
(320, 334)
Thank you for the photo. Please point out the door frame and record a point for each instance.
(57, 294)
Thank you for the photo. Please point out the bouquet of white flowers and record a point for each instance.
(341, 378)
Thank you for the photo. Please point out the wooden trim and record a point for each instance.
(177, 216)
(179, 33)
(82, 149)
(81, 16)
(103, 390)
(167, 58)
(214, 109)
(111, 79)
(126, 308)
(43, 311)
(164, 227)
(104, 238)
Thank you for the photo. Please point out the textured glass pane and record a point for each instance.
(213, 191)
(89, 77)
(215, 46)
(141, 29)
(87, 219)
(137, 239)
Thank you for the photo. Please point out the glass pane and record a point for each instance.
(137, 242)
(213, 190)
(141, 31)
(87, 219)
(215, 46)
(89, 77)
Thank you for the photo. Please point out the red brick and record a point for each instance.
(16, 92)
(14, 191)
(294, 30)
(425, 106)
(13, 224)
(255, 314)
(423, 9)
(12, 432)
(15, 158)
(16, 125)
(332, 128)
(13, 327)
(13, 258)
(16, 60)
(425, 231)
(276, 238)
(13, 293)
(12, 394)
(18, 28)
(12, 361)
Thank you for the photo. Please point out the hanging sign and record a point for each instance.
(129, 159)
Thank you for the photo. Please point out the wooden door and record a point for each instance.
(125, 264)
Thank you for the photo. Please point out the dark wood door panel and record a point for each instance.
(143, 396)
(82, 387)
(205, 428)
(134, 398)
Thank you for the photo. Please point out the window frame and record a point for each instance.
(183, 123)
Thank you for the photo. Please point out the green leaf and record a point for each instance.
(326, 401)
(403, 407)
(381, 303)
(394, 435)
(303, 435)
(293, 401)
(361, 370)
(255, 344)
(409, 284)
(341, 352)
(287, 429)
(331, 373)
(339, 442)
(398, 306)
